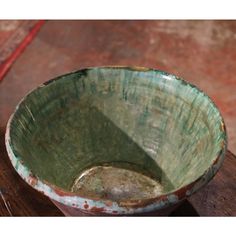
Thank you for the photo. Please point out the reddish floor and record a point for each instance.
(202, 52)
(15, 35)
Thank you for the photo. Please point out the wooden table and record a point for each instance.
(61, 47)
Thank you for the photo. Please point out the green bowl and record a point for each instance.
(116, 140)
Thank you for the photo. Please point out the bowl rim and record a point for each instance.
(107, 206)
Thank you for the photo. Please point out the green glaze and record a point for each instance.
(142, 120)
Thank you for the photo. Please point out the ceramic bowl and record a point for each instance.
(116, 140)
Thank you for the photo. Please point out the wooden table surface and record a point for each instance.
(61, 47)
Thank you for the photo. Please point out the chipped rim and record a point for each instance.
(107, 206)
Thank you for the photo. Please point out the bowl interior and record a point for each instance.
(117, 133)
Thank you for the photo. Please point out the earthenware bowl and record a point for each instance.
(116, 141)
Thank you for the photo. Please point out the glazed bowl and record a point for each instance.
(116, 140)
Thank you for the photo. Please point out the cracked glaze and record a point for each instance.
(152, 119)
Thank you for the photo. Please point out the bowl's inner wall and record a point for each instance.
(146, 121)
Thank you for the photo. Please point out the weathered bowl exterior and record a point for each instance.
(72, 211)
(74, 204)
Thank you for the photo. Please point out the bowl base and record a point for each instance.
(116, 184)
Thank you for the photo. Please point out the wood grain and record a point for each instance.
(218, 198)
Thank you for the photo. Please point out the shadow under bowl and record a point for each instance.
(116, 140)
